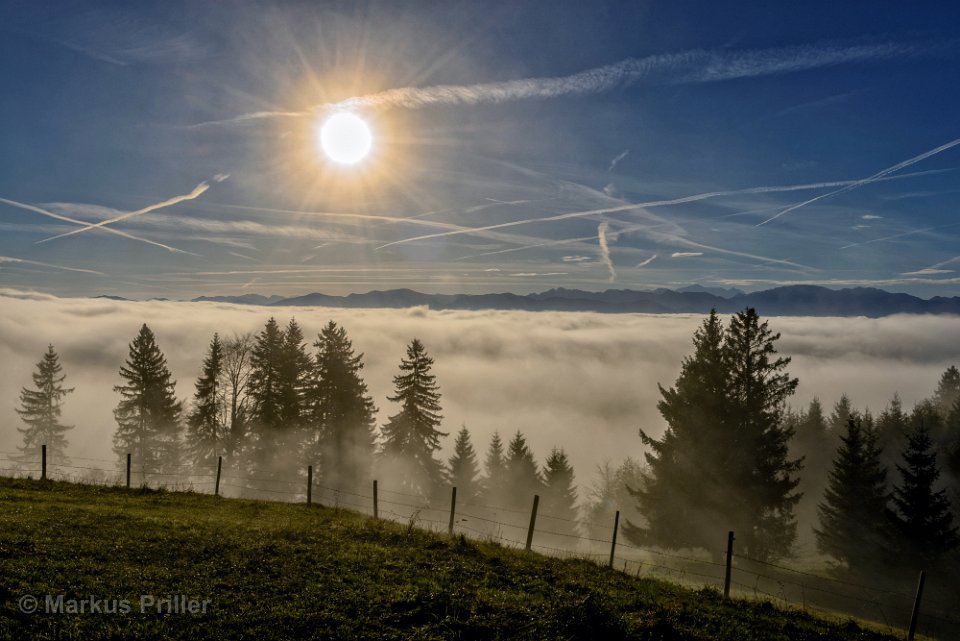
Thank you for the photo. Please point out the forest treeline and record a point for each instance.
(879, 491)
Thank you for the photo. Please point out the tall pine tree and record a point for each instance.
(148, 414)
(207, 421)
(341, 413)
(262, 455)
(924, 522)
(40, 411)
(494, 490)
(723, 463)
(948, 391)
(521, 474)
(854, 519)
(560, 498)
(463, 470)
(411, 437)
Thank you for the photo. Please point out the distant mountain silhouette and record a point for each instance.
(793, 300)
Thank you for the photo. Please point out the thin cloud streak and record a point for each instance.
(37, 263)
(605, 250)
(67, 219)
(646, 262)
(865, 181)
(197, 191)
(696, 66)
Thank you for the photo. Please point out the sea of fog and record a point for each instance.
(586, 382)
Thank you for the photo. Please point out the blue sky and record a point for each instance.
(518, 146)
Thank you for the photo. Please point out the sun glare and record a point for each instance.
(345, 138)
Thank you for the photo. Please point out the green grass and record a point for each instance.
(282, 571)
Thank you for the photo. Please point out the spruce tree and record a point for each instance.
(814, 445)
(494, 490)
(295, 373)
(411, 437)
(206, 422)
(40, 411)
(924, 521)
(262, 452)
(948, 391)
(893, 424)
(853, 514)
(686, 492)
(341, 413)
(521, 475)
(148, 414)
(560, 497)
(723, 462)
(463, 469)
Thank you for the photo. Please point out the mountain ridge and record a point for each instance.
(789, 300)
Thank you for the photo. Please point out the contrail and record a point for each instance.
(605, 250)
(199, 189)
(11, 259)
(618, 208)
(647, 261)
(83, 223)
(865, 181)
(694, 66)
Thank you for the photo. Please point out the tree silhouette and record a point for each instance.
(207, 421)
(148, 414)
(924, 521)
(463, 469)
(411, 437)
(494, 488)
(520, 473)
(853, 514)
(560, 497)
(723, 462)
(40, 411)
(341, 412)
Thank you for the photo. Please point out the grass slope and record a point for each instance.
(281, 571)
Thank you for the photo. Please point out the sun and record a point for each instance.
(345, 138)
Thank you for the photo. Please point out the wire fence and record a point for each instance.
(549, 534)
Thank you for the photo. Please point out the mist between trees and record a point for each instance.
(877, 492)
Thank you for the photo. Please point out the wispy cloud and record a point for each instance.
(865, 181)
(576, 259)
(695, 66)
(37, 263)
(613, 163)
(685, 254)
(197, 191)
(927, 272)
(605, 250)
(871, 217)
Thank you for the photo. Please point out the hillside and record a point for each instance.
(281, 571)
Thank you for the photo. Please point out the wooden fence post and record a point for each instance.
(216, 490)
(916, 607)
(309, 484)
(376, 508)
(453, 510)
(43, 462)
(128, 470)
(726, 579)
(613, 544)
(533, 520)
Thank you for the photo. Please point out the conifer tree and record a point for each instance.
(40, 411)
(411, 437)
(814, 445)
(266, 388)
(207, 421)
(840, 417)
(148, 414)
(723, 461)
(341, 412)
(463, 469)
(853, 514)
(494, 480)
(295, 372)
(893, 424)
(611, 492)
(948, 391)
(520, 473)
(560, 497)
(924, 521)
